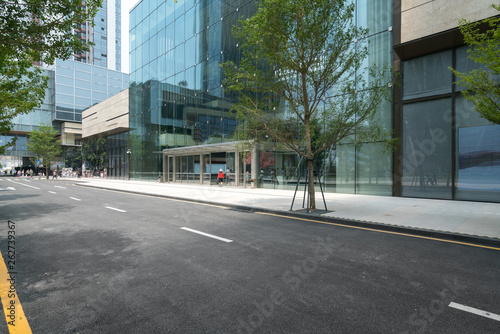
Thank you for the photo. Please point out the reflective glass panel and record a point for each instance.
(426, 145)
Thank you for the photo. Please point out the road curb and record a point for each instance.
(430, 233)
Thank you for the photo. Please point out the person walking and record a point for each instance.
(220, 177)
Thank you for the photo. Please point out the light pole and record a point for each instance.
(128, 162)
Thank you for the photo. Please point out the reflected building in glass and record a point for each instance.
(181, 127)
(447, 150)
(178, 102)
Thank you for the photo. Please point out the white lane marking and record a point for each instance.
(52, 192)
(111, 208)
(76, 199)
(59, 187)
(11, 188)
(475, 311)
(25, 185)
(206, 234)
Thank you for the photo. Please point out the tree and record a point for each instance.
(301, 81)
(44, 144)
(32, 32)
(73, 157)
(95, 154)
(481, 87)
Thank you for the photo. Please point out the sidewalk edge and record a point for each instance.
(438, 234)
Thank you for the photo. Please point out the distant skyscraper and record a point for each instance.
(106, 36)
(74, 85)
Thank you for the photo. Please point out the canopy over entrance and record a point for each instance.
(201, 149)
(201, 164)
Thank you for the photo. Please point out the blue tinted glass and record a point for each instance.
(81, 101)
(64, 80)
(179, 30)
(83, 75)
(82, 84)
(190, 52)
(83, 92)
(376, 15)
(98, 97)
(69, 90)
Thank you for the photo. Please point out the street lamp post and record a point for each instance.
(128, 162)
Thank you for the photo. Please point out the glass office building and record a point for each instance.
(178, 102)
(179, 107)
(74, 85)
(105, 33)
(448, 150)
(79, 86)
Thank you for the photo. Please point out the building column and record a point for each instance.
(174, 169)
(236, 168)
(256, 165)
(165, 167)
(202, 167)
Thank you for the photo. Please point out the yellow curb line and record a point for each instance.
(14, 314)
(380, 231)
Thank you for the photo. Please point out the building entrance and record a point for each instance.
(201, 164)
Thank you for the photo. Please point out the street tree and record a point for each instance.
(482, 85)
(95, 154)
(72, 157)
(303, 81)
(34, 32)
(45, 145)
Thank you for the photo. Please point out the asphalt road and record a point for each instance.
(96, 261)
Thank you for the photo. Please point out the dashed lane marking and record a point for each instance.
(475, 311)
(25, 185)
(76, 199)
(111, 208)
(206, 234)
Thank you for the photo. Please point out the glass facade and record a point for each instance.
(75, 85)
(106, 36)
(177, 98)
(79, 86)
(449, 151)
(116, 148)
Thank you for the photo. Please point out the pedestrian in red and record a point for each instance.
(220, 177)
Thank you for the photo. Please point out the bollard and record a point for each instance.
(252, 184)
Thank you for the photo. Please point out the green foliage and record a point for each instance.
(73, 157)
(302, 80)
(482, 85)
(95, 154)
(44, 144)
(22, 88)
(43, 29)
(34, 31)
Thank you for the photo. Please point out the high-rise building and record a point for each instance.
(74, 85)
(178, 102)
(106, 36)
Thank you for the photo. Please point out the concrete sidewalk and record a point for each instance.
(459, 218)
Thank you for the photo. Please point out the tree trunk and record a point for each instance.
(312, 197)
